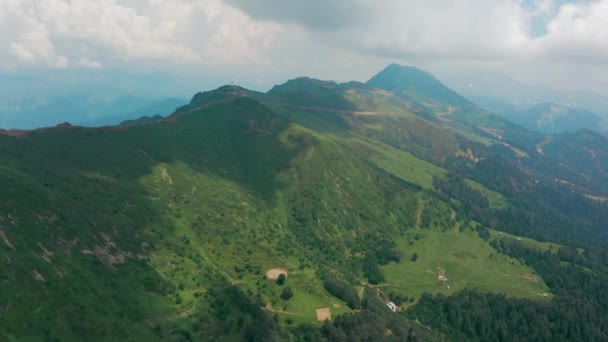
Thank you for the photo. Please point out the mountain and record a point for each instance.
(494, 105)
(39, 98)
(144, 120)
(550, 118)
(510, 91)
(254, 216)
(547, 118)
(417, 84)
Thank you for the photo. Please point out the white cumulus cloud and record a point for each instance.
(578, 33)
(81, 32)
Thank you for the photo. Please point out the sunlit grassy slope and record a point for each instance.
(466, 261)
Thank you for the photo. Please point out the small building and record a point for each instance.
(392, 306)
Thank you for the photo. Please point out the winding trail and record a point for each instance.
(539, 146)
(441, 115)
(320, 109)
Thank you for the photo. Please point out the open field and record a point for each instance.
(451, 261)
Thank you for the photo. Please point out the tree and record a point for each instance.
(414, 257)
(287, 293)
(343, 291)
(281, 279)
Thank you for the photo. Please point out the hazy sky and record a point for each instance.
(559, 43)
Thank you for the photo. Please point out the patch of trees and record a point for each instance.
(399, 298)
(454, 186)
(374, 259)
(372, 271)
(343, 291)
(234, 311)
(483, 232)
(545, 211)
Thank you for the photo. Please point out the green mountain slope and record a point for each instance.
(176, 230)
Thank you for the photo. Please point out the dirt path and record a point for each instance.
(419, 212)
(441, 115)
(6, 241)
(539, 147)
(320, 109)
(597, 198)
(270, 308)
(496, 133)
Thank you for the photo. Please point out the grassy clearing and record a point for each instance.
(308, 295)
(466, 259)
(399, 163)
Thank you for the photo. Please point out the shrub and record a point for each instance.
(287, 293)
(281, 279)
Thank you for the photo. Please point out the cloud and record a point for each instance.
(30, 42)
(499, 30)
(57, 32)
(578, 33)
(416, 28)
(339, 39)
(317, 15)
(88, 63)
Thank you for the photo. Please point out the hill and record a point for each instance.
(549, 118)
(359, 196)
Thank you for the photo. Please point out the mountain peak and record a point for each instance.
(399, 67)
(224, 92)
(415, 83)
(305, 91)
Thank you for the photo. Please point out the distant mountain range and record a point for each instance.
(89, 96)
(548, 118)
(84, 110)
(505, 89)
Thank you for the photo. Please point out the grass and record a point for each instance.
(467, 260)
(309, 295)
(399, 163)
